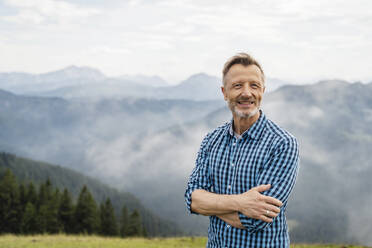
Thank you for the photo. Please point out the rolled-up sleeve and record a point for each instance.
(280, 171)
(199, 178)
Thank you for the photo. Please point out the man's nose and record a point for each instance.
(246, 91)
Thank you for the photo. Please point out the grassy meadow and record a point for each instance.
(76, 241)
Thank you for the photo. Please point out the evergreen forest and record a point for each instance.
(37, 197)
(27, 209)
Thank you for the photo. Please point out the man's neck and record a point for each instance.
(242, 124)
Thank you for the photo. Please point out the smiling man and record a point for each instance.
(246, 169)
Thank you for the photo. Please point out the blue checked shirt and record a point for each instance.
(226, 164)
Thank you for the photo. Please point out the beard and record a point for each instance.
(242, 114)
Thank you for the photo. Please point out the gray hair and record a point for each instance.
(241, 59)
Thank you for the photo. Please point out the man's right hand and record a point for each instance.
(257, 206)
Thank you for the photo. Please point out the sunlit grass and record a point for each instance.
(76, 241)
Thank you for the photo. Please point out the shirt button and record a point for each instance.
(234, 143)
(228, 226)
(228, 186)
(232, 164)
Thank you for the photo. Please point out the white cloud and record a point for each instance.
(175, 38)
(107, 50)
(25, 16)
(38, 11)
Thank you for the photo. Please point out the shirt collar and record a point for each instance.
(254, 131)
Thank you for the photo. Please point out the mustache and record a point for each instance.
(246, 99)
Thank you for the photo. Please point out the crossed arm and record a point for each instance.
(256, 208)
(251, 203)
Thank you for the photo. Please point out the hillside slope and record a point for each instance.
(27, 170)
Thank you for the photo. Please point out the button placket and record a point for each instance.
(232, 163)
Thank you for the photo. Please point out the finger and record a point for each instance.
(270, 214)
(263, 187)
(265, 218)
(272, 208)
(273, 201)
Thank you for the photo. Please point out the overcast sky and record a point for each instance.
(298, 40)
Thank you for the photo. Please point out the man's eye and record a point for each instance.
(254, 86)
(237, 85)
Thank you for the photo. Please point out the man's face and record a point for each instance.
(243, 90)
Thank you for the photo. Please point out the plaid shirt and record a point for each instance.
(226, 164)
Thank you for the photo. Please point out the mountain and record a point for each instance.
(272, 84)
(13, 80)
(86, 82)
(71, 132)
(27, 170)
(84, 73)
(24, 83)
(197, 87)
(153, 81)
(107, 88)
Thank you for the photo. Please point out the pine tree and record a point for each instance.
(86, 214)
(144, 232)
(108, 222)
(124, 222)
(135, 224)
(29, 222)
(32, 198)
(42, 206)
(41, 213)
(51, 218)
(32, 194)
(10, 209)
(22, 202)
(66, 212)
(22, 197)
(45, 193)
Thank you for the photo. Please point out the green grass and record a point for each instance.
(76, 241)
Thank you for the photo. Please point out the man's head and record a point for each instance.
(243, 85)
(240, 59)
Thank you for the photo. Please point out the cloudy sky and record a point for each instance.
(296, 40)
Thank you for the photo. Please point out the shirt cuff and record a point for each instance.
(188, 199)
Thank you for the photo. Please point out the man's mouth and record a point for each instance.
(245, 103)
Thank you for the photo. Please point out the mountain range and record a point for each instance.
(86, 82)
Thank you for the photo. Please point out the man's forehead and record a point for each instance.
(239, 71)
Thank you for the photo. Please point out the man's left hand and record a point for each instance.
(232, 219)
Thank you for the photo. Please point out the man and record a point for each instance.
(245, 169)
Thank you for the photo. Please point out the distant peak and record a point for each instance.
(6, 93)
(151, 80)
(71, 67)
(74, 68)
(333, 83)
(199, 75)
(74, 72)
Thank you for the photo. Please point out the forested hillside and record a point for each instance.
(25, 209)
(27, 171)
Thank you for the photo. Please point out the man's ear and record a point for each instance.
(223, 92)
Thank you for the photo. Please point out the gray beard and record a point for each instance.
(242, 114)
